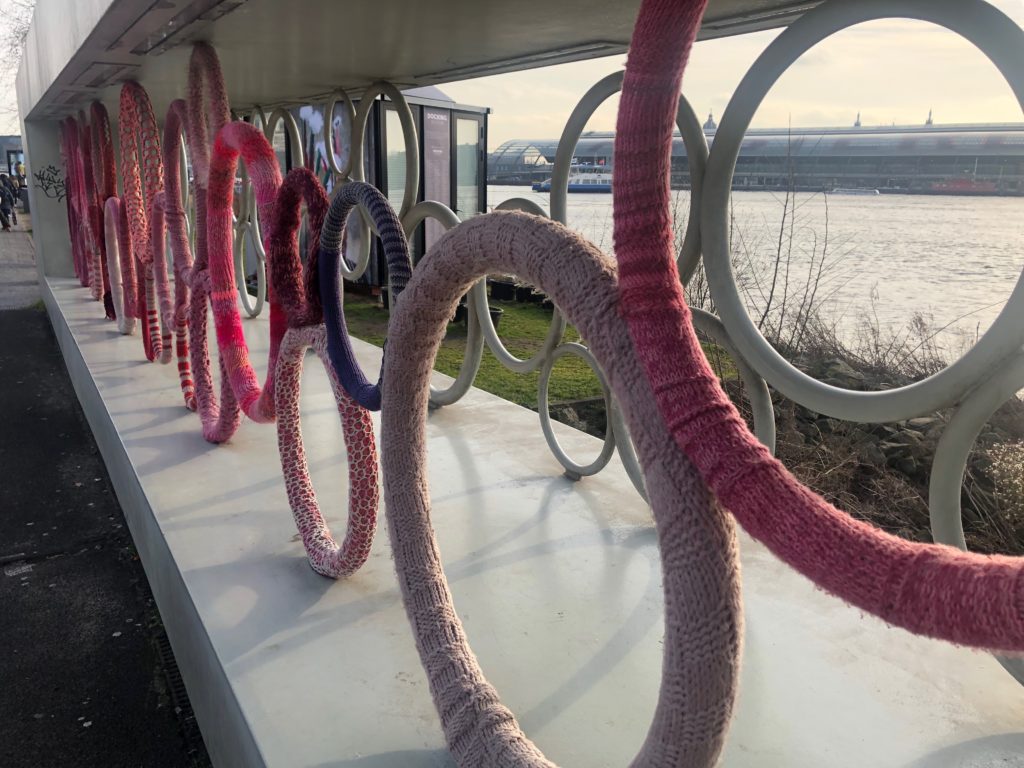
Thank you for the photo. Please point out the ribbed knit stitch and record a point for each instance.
(207, 113)
(169, 222)
(697, 541)
(326, 556)
(396, 253)
(76, 202)
(90, 209)
(141, 180)
(105, 178)
(932, 590)
(241, 139)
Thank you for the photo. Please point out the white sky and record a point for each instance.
(891, 71)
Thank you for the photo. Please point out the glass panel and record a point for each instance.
(341, 135)
(467, 167)
(280, 144)
(437, 171)
(395, 142)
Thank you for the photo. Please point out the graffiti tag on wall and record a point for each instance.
(51, 181)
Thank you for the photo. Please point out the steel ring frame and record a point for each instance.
(447, 218)
(555, 331)
(246, 232)
(356, 171)
(574, 470)
(340, 97)
(696, 154)
(411, 137)
(1003, 43)
(950, 463)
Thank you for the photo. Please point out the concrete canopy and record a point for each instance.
(276, 52)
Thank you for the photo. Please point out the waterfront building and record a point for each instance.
(980, 159)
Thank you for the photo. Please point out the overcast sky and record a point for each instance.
(890, 72)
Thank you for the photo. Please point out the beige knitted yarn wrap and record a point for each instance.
(697, 540)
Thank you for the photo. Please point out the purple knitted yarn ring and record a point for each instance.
(396, 252)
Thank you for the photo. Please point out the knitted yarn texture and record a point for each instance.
(234, 140)
(928, 589)
(207, 112)
(300, 301)
(119, 251)
(105, 181)
(697, 540)
(396, 252)
(90, 208)
(169, 222)
(326, 556)
(141, 164)
(77, 218)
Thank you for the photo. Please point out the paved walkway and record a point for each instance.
(19, 286)
(88, 676)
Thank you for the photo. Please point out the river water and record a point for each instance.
(953, 261)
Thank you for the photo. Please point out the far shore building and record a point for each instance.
(953, 159)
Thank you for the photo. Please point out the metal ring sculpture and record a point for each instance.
(396, 251)
(950, 463)
(340, 97)
(141, 179)
(248, 233)
(454, 392)
(928, 589)
(999, 39)
(357, 171)
(572, 469)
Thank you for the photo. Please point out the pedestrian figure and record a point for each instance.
(15, 191)
(6, 202)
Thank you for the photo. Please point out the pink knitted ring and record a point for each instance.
(697, 541)
(325, 555)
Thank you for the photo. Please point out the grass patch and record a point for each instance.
(522, 328)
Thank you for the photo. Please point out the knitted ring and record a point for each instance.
(234, 140)
(115, 227)
(357, 172)
(141, 164)
(206, 112)
(396, 251)
(929, 589)
(92, 213)
(105, 182)
(698, 545)
(325, 556)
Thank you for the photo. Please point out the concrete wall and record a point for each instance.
(49, 212)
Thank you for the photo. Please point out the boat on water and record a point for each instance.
(964, 186)
(854, 191)
(583, 178)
